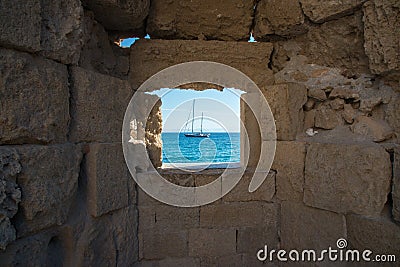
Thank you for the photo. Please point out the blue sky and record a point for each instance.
(221, 109)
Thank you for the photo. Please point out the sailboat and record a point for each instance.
(200, 134)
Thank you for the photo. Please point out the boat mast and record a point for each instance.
(193, 114)
(201, 127)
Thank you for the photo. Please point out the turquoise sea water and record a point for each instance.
(219, 147)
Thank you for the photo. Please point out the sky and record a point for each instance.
(221, 110)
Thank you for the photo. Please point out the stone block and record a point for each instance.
(381, 35)
(244, 214)
(234, 260)
(286, 102)
(62, 30)
(321, 11)
(380, 235)
(161, 244)
(34, 99)
(303, 227)
(200, 19)
(98, 106)
(289, 166)
(48, 182)
(250, 58)
(252, 239)
(20, 23)
(125, 17)
(347, 177)
(396, 184)
(108, 179)
(241, 193)
(204, 242)
(283, 18)
(171, 262)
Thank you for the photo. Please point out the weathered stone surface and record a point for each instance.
(233, 260)
(326, 118)
(205, 242)
(283, 18)
(376, 130)
(240, 192)
(34, 94)
(155, 245)
(251, 239)
(110, 240)
(126, 17)
(153, 135)
(99, 53)
(286, 102)
(98, 106)
(62, 30)
(171, 262)
(347, 177)
(108, 179)
(20, 23)
(48, 181)
(321, 11)
(381, 24)
(289, 165)
(250, 58)
(238, 214)
(392, 115)
(212, 20)
(303, 227)
(380, 235)
(396, 185)
(10, 194)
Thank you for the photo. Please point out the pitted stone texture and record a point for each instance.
(108, 179)
(380, 235)
(320, 11)
(98, 106)
(201, 19)
(278, 17)
(396, 185)
(99, 53)
(151, 56)
(34, 105)
(303, 227)
(120, 16)
(205, 242)
(161, 244)
(381, 31)
(289, 165)
(347, 177)
(286, 102)
(10, 194)
(62, 30)
(110, 240)
(48, 181)
(20, 23)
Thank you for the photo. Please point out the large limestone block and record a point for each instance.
(205, 242)
(279, 17)
(162, 244)
(303, 227)
(286, 102)
(209, 19)
(34, 99)
(109, 240)
(62, 30)
(347, 177)
(151, 56)
(120, 16)
(48, 182)
(380, 235)
(381, 35)
(289, 165)
(108, 179)
(320, 11)
(98, 106)
(20, 24)
(242, 214)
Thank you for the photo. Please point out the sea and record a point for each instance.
(217, 148)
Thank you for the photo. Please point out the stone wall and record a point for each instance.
(330, 71)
